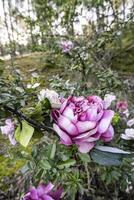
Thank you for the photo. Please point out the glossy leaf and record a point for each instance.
(24, 133)
(53, 151)
(66, 164)
(109, 156)
(84, 157)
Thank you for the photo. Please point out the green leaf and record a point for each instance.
(66, 164)
(44, 164)
(24, 169)
(112, 150)
(109, 156)
(24, 133)
(53, 151)
(84, 157)
(37, 113)
(46, 103)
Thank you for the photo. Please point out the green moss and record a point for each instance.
(12, 158)
(9, 166)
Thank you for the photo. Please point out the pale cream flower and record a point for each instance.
(130, 122)
(129, 134)
(52, 96)
(35, 85)
(108, 98)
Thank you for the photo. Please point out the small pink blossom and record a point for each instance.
(8, 130)
(66, 46)
(122, 106)
(83, 121)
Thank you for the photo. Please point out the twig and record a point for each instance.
(30, 121)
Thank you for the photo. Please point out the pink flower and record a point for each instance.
(8, 130)
(122, 106)
(83, 121)
(66, 46)
(43, 192)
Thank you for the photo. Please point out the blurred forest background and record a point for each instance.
(105, 27)
(101, 61)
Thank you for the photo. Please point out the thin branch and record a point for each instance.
(30, 121)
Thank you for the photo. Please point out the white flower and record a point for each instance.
(129, 134)
(130, 122)
(129, 186)
(35, 75)
(33, 86)
(36, 85)
(126, 113)
(108, 98)
(52, 96)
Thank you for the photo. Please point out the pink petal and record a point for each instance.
(64, 104)
(65, 124)
(57, 194)
(85, 126)
(93, 138)
(94, 99)
(8, 122)
(68, 112)
(85, 147)
(55, 114)
(86, 135)
(92, 114)
(108, 136)
(105, 121)
(64, 137)
(46, 197)
(83, 117)
(77, 99)
(99, 116)
(42, 189)
(12, 139)
(33, 193)
(5, 130)
(49, 187)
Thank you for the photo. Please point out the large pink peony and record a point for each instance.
(83, 121)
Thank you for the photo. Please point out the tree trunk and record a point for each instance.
(12, 29)
(1, 49)
(30, 24)
(9, 37)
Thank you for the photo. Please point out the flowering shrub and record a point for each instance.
(82, 123)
